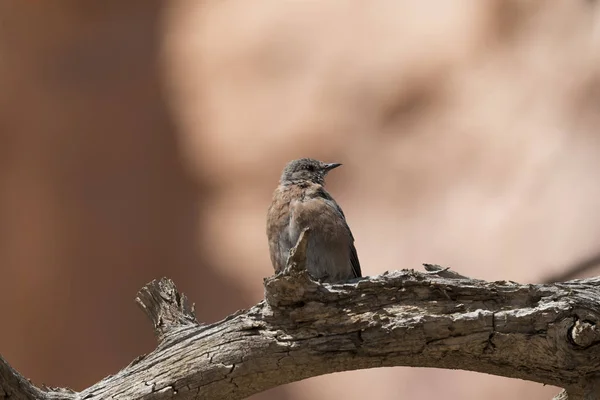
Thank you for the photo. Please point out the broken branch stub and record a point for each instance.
(166, 307)
(291, 285)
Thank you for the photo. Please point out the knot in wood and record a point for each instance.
(584, 333)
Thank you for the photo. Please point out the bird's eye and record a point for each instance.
(310, 168)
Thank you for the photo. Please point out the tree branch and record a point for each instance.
(543, 333)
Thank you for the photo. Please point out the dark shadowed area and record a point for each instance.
(143, 139)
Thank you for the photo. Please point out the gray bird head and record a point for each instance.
(306, 170)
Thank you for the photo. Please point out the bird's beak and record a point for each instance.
(329, 167)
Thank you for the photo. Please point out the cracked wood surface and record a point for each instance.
(542, 333)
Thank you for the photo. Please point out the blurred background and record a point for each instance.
(144, 138)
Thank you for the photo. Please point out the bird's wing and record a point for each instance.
(353, 255)
(277, 232)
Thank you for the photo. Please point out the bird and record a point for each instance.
(300, 201)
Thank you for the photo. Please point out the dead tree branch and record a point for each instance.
(543, 333)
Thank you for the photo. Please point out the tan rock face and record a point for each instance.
(140, 140)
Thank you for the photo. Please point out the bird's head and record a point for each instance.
(306, 170)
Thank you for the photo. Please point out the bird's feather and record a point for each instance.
(324, 194)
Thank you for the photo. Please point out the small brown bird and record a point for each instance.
(301, 201)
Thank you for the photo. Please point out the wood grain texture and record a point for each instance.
(542, 333)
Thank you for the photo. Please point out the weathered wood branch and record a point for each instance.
(543, 333)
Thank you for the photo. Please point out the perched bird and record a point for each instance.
(301, 201)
